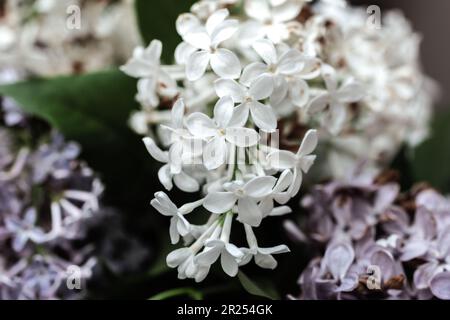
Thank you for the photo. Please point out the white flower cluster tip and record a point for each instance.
(217, 110)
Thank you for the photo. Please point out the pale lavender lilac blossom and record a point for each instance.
(365, 223)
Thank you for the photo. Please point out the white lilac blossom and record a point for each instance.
(223, 155)
(35, 36)
(398, 101)
(375, 242)
(247, 70)
(315, 64)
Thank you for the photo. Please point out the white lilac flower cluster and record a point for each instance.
(399, 99)
(46, 197)
(375, 243)
(249, 73)
(36, 36)
(360, 85)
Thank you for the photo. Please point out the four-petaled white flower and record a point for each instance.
(249, 100)
(288, 63)
(220, 130)
(206, 39)
(245, 194)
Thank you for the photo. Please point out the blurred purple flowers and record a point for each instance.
(46, 196)
(374, 242)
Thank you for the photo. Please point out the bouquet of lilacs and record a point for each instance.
(255, 87)
(46, 197)
(373, 242)
(54, 37)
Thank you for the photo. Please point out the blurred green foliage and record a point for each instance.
(430, 162)
(157, 19)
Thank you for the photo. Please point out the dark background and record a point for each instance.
(431, 19)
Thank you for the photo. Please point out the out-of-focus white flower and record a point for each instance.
(24, 230)
(154, 82)
(335, 100)
(35, 39)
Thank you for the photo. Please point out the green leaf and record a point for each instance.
(189, 292)
(93, 109)
(157, 19)
(80, 105)
(430, 161)
(255, 289)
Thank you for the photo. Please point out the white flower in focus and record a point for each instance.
(245, 194)
(182, 148)
(280, 194)
(179, 226)
(249, 100)
(170, 172)
(280, 67)
(207, 39)
(220, 130)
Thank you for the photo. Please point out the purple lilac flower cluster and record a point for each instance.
(46, 197)
(374, 242)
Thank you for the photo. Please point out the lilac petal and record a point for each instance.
(252, 72)
(338, 259)
(226, 64)
(197, 64)
(425, 224)
(384, 260)
(386, 196)
(227, 87)
(260, 187)
(414, 249)
(219, 202)
(440, 285)
(249, 212)
(229, 264)
(424, 274)
(263, 116)
(444, 242)
(262, 87)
